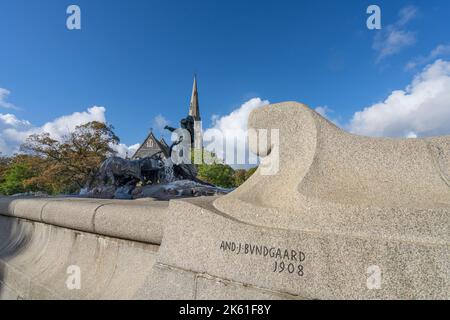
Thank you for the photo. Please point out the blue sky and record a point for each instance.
(137, 58)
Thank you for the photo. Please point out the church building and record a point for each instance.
(151, 145)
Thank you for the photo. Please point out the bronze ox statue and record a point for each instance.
(118, 171)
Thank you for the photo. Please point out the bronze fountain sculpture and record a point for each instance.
(157, 176)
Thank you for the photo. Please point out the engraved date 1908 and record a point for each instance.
(288, 268)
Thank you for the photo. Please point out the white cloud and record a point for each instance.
(4, 93)
(327, 112)
(421, 109)
(394, 38)
(14, 131)
(441, 51)
(125, 151)
(407, 14)
(323, 111)
(159, 122)
(411, 135)
(64, 125)
(11, 120)
(232, 127)
(57, 128)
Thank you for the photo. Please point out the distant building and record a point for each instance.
(150, 145)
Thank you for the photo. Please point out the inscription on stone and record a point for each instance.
(285, 260)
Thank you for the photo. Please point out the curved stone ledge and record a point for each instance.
(35, 262)
(140, 220)
(36, 258)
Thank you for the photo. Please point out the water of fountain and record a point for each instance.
(168, 170)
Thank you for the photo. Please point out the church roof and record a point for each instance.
(148, 148)
(163, 142)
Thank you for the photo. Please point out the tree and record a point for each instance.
(239, 177)
(14, 178)
(72, 162)
(4, 165)
(218, 174)
(250, 172)
(44, 178)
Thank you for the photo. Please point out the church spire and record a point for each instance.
(194, 109)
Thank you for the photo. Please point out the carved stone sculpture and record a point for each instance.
(327, 215)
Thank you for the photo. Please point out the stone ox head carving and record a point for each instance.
(313, 174)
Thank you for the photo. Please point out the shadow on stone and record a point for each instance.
(14, 237)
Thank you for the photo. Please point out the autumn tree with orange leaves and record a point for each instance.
(71, 163)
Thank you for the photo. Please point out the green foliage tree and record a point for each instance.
(218, 174)
(250, 172)
(242, 175)
(4, 166)
(15, 177)
(239, 177)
